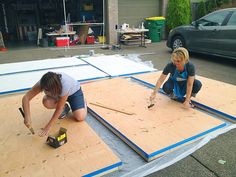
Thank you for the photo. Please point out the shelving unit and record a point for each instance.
(27, 20)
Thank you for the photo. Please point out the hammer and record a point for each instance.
(23, 115)
(151, 104)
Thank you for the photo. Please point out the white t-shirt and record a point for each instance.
(69, 85)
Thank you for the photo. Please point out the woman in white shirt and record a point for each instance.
(59, 88)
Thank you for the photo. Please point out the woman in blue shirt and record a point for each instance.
(181, 81)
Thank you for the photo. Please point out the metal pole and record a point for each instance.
(5, 17)
(64, 9)
(103, 23)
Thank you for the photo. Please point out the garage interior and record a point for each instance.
(20, 20)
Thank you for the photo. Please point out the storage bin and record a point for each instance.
(90, 39)
(155, 26)
(62, 41)
(101, 39)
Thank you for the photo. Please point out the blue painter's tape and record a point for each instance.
(217, 112)
(148, 156)
(143, 82)
(144, 154)
(213, 110)
(25, 89)
(129, 74)
(103, 170)
(186, 140)
(33, 70)
(14, 91)
(117, 75)
(95, 67)
(92, 79)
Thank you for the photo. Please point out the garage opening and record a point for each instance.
(50, 22)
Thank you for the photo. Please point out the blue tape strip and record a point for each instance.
(214, 110)
(24, 89)
(186, 140)
(94, 78)
(14, 91)
(143, 72)
(217, 112)
(144, 154)
(33, 70)
(95, 67)
(118, 75)
(103, 170)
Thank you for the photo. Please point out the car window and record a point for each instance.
(232, 20)
(215, 19)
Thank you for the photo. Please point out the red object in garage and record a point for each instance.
(62, 41)
(90, 40)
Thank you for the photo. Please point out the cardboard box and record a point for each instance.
(62, 41)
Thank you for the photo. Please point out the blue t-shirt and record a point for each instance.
(170, 68)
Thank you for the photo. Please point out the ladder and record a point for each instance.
(2, 45)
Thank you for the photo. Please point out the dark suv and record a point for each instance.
(213, 34)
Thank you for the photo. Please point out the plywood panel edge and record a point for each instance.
(106, 170)
(189, 140)
(195, 103)
(119, 134)
(160, 152)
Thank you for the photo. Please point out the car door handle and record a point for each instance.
(215, 30)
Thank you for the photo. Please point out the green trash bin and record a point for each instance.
(155, 26)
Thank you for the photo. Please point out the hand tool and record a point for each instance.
(151, 105)
(23, 115)
(59, 139)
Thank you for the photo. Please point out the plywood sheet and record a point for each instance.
(26, 80)
(115, 65)
(151, 132)
(23, 154)
(218, 95)
(11, 68)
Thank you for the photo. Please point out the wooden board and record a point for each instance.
(23, 154)
(150, 132)
(215, 94)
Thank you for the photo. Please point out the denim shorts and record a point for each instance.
(76, 100)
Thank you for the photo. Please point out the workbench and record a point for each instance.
(52, 35)
(61, 34)
(132, 36)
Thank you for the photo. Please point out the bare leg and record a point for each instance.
(49, 102)
(80, 114)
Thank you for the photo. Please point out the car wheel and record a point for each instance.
(177, 42)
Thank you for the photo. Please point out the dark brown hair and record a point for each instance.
(51, 82)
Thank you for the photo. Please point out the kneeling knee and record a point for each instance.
(79, 118)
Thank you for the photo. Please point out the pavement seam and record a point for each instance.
(205, 166)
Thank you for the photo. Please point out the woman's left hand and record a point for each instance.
(187, 104)
(44, 131)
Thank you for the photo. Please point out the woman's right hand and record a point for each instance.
(27, 123)
(152, 97)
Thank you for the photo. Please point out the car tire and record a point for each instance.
(178, 41)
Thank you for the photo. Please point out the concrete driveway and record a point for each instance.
(202, 163)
